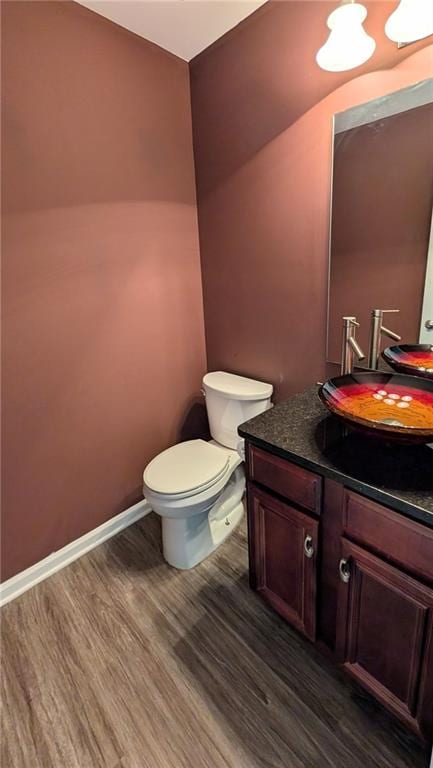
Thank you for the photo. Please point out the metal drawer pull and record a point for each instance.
(308, 546)
(429, 325)
(344, 569)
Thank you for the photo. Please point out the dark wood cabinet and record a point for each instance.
(295, 483)
(385, 634)
(349, 573)
(406, 543)
(284, 559)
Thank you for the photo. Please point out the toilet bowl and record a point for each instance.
(197, 487)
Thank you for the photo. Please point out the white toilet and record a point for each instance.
(198, 487)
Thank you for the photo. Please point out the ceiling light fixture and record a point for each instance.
(412, 20)
(348, 45)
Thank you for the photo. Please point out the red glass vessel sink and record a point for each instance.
(387, 405)
(415, 359)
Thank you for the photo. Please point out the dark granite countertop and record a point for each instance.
(302, 430)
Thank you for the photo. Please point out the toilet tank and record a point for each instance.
(231, 400)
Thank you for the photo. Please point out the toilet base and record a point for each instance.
(188, 541)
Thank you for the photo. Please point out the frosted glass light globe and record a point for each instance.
(348, 45)
(412, 20)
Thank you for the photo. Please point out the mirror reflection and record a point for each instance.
(380, 251)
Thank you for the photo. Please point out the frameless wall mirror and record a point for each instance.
(381, 252)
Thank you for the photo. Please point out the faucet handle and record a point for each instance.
(380, 312)
(351, 321)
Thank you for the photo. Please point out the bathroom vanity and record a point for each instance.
(341, 546)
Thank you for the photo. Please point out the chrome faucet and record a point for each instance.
(376, 331)
(350, 346)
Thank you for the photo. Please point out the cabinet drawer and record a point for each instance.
(403, 541)
(296, 484)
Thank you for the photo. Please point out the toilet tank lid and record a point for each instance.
(237, 387)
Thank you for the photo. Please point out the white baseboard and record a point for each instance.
(27, 579)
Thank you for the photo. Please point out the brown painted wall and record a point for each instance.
(381, 215)
(262, 116)
(103, 344)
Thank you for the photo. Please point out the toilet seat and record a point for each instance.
(186, 469)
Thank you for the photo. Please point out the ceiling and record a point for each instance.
(183, 27)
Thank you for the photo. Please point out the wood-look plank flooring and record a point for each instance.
(120, 661)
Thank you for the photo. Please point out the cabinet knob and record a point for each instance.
(309, 546)
(344, 569)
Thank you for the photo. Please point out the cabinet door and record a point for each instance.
(284, 558)
(385, 635)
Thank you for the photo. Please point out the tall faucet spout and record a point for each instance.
(376, 331)
(350, 346)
